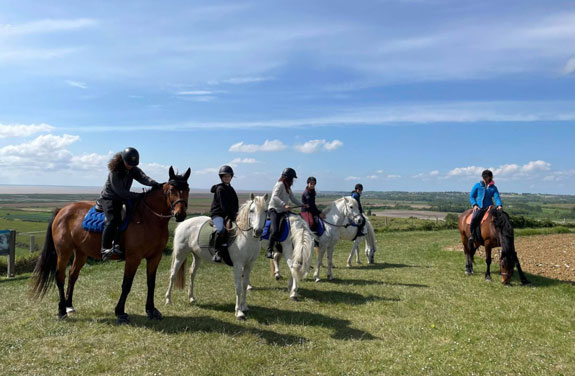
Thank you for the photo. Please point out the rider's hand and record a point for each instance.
(287, 207)
(475, 208)
(500, 207)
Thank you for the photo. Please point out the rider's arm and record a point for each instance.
(473, 195)
(497, 197)
(143, 178)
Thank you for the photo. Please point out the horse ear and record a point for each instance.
(187, 174)
(252, 196)
(171, 173)
(266, 197)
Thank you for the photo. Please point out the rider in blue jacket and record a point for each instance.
(481, 198)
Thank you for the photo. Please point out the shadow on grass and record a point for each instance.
(267, 316)
(365, 282)
(336, 297)
(385, 265)
(14, 279)
(207, 324)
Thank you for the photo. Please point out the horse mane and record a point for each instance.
(332, 205)
(504, 228)
(243, 218)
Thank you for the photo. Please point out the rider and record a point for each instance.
(123, 170)
(310, 211)
(224, 208)
(278, 207)
(356, 193)
(481, 197)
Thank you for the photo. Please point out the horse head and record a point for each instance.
(506, 239)
(252, 215)
(351, 210)
(176, 191)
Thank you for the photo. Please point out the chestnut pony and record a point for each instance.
(496, 231)
(145, 238)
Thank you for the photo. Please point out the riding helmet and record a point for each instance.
(225, 169)
(359, 186)
(131, 156)
(289, 173)
(311, 179)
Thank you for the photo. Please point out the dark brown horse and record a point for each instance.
(496, 231)
(145, 238)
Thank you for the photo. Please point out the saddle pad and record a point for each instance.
(320, 227)
(485, 216)
(94, 220)
(284, 230)
(205, 237)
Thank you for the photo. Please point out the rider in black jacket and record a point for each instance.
(123, 171)
(224, 208)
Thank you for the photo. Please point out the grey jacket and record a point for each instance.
(280, 198)
(118, 185)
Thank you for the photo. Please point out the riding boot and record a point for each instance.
(270, 250)
(221, 247)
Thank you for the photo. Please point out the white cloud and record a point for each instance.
(91, 161)
(237, 161)
(466, 171)
(44, 152)
(206, 171)
(77, 84)
(393, 176)
(313, 146)
(46, 26)
(23, 130)
(372, 177)
(273, 145)
(506, 171)
(240, 80)
(195, 92)
(353, 178)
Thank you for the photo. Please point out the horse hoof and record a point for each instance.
(62, 316)
(348, 265)
(70, 310)
(240, 316)
(168, 301)
(193, 301)
(294, 298)
(154, 314)
(250, 288)
(123, 319)
(278, 277)
(317, 279)
(488, 279)
(330, 278)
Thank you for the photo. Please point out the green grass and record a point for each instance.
(412, 313)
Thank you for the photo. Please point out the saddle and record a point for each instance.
(284, 229)
(485, 216)
(95, 219)
(207, 238)
(315, 223)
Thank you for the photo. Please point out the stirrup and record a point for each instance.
(216, 257)
(107, 253)
(270, 254)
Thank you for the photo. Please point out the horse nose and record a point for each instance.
(259, 232)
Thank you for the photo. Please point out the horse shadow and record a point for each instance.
(366, 282)
(385, 265)
(205, 324)
(266, 316)
(13, 279)
(337, 297)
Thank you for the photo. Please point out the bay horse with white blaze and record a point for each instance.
(496, 231)
(145, 238)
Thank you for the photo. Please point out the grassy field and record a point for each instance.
(412, 313)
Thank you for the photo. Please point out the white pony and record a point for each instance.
(340, 215)
(297, 249)
(243, 251)
(370, 242)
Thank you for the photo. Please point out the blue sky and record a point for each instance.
(416, 95)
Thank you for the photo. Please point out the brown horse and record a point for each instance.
(496, 231)
(145, 238)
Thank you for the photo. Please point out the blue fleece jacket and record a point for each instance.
(483, 196)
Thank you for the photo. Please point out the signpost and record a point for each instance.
(8, 248)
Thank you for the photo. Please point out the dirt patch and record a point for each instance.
(551, 256)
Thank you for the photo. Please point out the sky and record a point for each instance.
(411, 95)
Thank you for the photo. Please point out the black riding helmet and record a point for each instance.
(487, 174)
(289, 173)
(131, 156)
(358, 186)
(311, 179)
(225, 169)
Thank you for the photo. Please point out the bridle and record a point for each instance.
(345, 215)
(250, 228)
(172, 203)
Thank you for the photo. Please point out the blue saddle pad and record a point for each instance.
(320, 227)
(94, 220)
(284, 230)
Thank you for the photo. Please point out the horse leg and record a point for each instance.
(130, 268)
(488, 262)
(468, 256)
(350, 258)
(524, 280)
(60, 281)
(151, 269)
(276, 265)
(238, 282)
(193, 272)
(79, 261)
(330, 263)
(320, 252)
(246, 285)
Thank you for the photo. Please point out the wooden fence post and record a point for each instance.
(12, 255)
(32, 244)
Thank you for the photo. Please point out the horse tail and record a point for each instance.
(180, 282)
(303, 247)
(45, 271)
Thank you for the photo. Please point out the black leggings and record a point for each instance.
(113, 212)
(275, 220)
